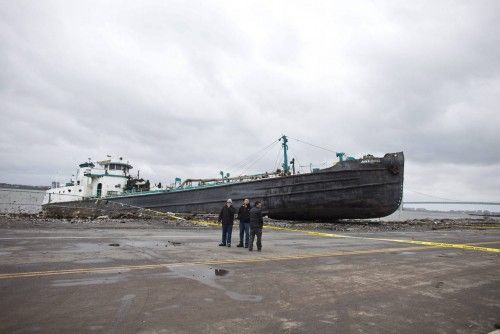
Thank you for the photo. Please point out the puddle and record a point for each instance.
(87, 281)
(122, 312)
(93, 261)
(168, 307)
(210, 277)
(174, 243)
(221, 272)
(85, 247)
(95, 328)
(143, 243)
(331, 260)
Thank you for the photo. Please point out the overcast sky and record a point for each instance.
(187, 88)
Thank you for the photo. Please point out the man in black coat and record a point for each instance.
(244, 217)
(226, 217)
(256, 224)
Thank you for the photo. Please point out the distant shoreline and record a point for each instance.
(409, 211)
(22, 186)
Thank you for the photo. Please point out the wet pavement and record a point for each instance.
(179, 281)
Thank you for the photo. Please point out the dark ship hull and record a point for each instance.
(354, 189)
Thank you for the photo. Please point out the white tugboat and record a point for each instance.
(107, 178)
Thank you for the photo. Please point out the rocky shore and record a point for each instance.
(145, 221)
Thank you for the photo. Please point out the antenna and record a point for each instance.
(286, 167)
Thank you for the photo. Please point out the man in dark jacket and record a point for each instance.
(226, 217)
(244, 217)
(256, 223)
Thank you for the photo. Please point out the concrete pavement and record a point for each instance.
(180, 281)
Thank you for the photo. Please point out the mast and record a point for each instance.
(286, 167)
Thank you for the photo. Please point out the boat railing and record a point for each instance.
(190, 184)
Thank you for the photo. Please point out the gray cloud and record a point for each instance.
(188, 89)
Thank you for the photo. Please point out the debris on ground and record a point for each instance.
(416, 225)
(174, 243)
(197, 222)
(438, 285)
(221, 272)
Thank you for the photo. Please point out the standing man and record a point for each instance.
(226, 217)
(256, 223)
(244, 217)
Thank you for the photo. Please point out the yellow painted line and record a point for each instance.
(416, 242)
(484, 243)
(406, 241)
(208, 262)
(444, 245)
(204, 223)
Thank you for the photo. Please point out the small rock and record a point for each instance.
(103, 217)
(221, 272)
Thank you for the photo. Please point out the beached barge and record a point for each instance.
(370, 187)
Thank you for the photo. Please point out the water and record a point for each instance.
(435, 212)
(213, 278)
(21, 200)
(411, 215)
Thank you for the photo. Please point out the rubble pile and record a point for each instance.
(153, 220)
(376, 225)
(144, 222)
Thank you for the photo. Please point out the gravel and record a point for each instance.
(21, 221)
